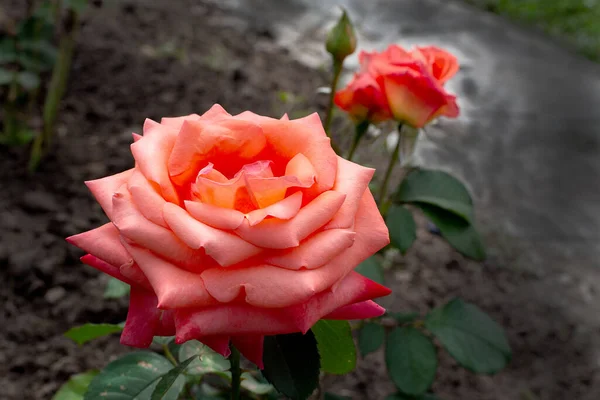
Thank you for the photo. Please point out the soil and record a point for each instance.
(139, 59)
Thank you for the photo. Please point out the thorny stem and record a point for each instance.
(390, 168)
(359, 132)
(236, 373)
(337, 70)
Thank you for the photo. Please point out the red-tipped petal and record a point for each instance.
(175, 287)
(362, 310)
(143, 319)
(219, 344)
(105, 267)
(103, 242)
(251, 346)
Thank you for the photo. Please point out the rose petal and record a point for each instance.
(228, 143)
(143, 319)
(103, 242)
(174, 287)
(225, 248)
(133, 226)
(231, 319)
(283, 210)
(316, 251)
(217, 217)
(214, 188)
(415, 97)
(220, 344)
(299, 172)
(352, 180)
(166, 326)
(151, 154)
(238, 319)
(278, 234)
(104, 188)
(363, 310)
(133, 272)
(147, 199)
(371, 236)
(177, 122)
(105, 267)
(354, 288)
(251, 347)
(441, 63)
(363, 100)
(274, 287)
(264, 285)
(306, 136)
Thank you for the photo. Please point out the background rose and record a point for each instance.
(363, 100)
(236, 227)
(404, 85)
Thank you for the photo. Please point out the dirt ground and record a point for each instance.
(136, 60)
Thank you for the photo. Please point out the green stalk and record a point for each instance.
(359, 131)
(388, 172)
(10, 112)
(337, 71)
(169, 355)
(56, 88)
(236, 373)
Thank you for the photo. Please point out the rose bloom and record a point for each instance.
(230, 228)
(403, 85)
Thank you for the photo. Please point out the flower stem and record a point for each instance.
(169, 355)
(359, 132)
(236, 373)
(390, 168)
(337, 70)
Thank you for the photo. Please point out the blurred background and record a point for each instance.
(75, 84)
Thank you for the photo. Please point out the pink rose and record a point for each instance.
(236, 227)
(403, 85)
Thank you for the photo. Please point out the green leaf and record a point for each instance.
(34, 28)
(371, 268)
(402, 227)
(84, 333)
(116, 289)
(32, 63)
(370, 337)
(28, 80)
(134, 377)
(167, 381)
(208, 361)
(411, 360)
(436, 188)
(475, 340)
(292, 364)
(6, 76)
(8, 50)
(75, 387)
(331, 396)
(336, 346)
(460, 234)
(404, 318)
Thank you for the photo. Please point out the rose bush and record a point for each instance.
(230, 228)
(403, 85)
